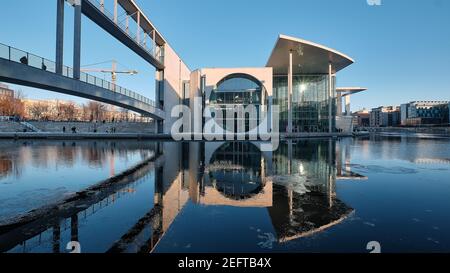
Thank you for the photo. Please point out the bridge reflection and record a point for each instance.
(296, 184)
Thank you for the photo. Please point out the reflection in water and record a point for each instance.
(15, 155)
(232, 197)
(296, 184)
(37, 173)
(235, 171)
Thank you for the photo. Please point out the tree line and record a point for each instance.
(18, 107)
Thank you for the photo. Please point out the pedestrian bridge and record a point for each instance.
(23, 68)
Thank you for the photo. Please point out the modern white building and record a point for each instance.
(299, 77)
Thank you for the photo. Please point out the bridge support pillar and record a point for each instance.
(160, 126)
(77, 41)
(59, 36)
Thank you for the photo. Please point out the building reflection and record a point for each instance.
(343, 162)
(296, 184)
(16, 156)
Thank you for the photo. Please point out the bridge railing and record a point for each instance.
(26, 58)
(155, 52)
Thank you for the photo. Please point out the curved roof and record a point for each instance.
(346, 91)
(308, 57)
(350, 89)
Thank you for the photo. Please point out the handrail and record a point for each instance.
(155, 52)
(26, 58)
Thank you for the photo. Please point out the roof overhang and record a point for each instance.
(348, 91)
(308, 57)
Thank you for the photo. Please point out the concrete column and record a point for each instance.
(270, 125)
(339, 159)
(330, 99)
(74, 228)
(291, 204)
(347, 106)
(115, 12)
(102, 6)
(77, 41)
(289, 157)
(56, 241)
(348, 167)
(290, 87)
(127, 24)
(330, 181)
(159, 186)
(339, 103)
(155, 124)
(59, 36)
(159, 96)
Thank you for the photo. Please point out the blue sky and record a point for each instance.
(400, 47)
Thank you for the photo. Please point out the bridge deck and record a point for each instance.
(104, 19)
(40, 73)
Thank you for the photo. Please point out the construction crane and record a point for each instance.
(112, 71)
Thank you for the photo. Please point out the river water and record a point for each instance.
(307, 196)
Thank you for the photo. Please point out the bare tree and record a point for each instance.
(13, 105)
(96, 111)
(67, 111)
(124, 115)
(39, 110)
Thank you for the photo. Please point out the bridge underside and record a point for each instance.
(16, 73)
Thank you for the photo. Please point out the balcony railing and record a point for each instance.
(23, 57)
(156, 52)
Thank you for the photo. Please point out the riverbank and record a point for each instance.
(411, 130)
(129, 136)
(81, 136)
(80, 127)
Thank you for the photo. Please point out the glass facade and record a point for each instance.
(235, 170)
(310, 102)
(315, 161)
(237, 90)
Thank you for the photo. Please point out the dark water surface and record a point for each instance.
(308, 196)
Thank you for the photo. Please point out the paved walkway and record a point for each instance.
(71, 136)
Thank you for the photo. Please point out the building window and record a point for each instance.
(238, 90)
(310, 102)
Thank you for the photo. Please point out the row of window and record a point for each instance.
(310, 99)
(310, 103)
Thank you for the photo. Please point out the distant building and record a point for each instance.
(425, 113)
(361, 118)
(385, 116)
(5, 92)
